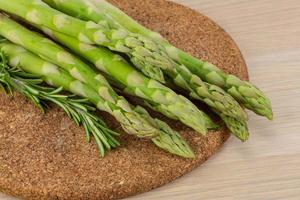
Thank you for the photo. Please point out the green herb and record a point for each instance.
(79, 110)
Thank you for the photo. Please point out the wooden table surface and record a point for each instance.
(267, 167)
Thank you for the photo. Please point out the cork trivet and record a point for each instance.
(46, 157)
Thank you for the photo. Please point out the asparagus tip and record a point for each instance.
(189, 155)
(243, 137)
(270, 116)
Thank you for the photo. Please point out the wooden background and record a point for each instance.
(268, 165)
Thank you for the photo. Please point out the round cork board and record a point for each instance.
(46, 157)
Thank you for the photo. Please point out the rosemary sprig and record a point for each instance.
(79, 110)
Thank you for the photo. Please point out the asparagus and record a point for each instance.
(145, 54)
(246, 93)
(217, 99)
(79, 8)
(210, 94)
(167, 139)
(158, 96)
(187, 77)
(243, 91)
(114, 104)
(121, 88)
(40, 45)
(237, 127)
(87, 11)
(118, 69)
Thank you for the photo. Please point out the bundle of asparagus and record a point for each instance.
(91, 30)
(19, 57)
(244, 92)
(102, 12)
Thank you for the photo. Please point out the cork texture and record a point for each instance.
(46, 157)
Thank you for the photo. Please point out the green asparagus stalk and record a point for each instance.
(79, 110)
(106, 10)
(81, 9)
(237, 127)
(210, 94)
(246, 93)
(160, 97)
(167, 139)
(114, 104)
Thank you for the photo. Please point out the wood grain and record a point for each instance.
(267, 166)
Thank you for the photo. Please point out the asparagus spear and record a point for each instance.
(160, 97)
(246, 93)
(85, 10)
(114, 104)
(237, 127)
(167, 139)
